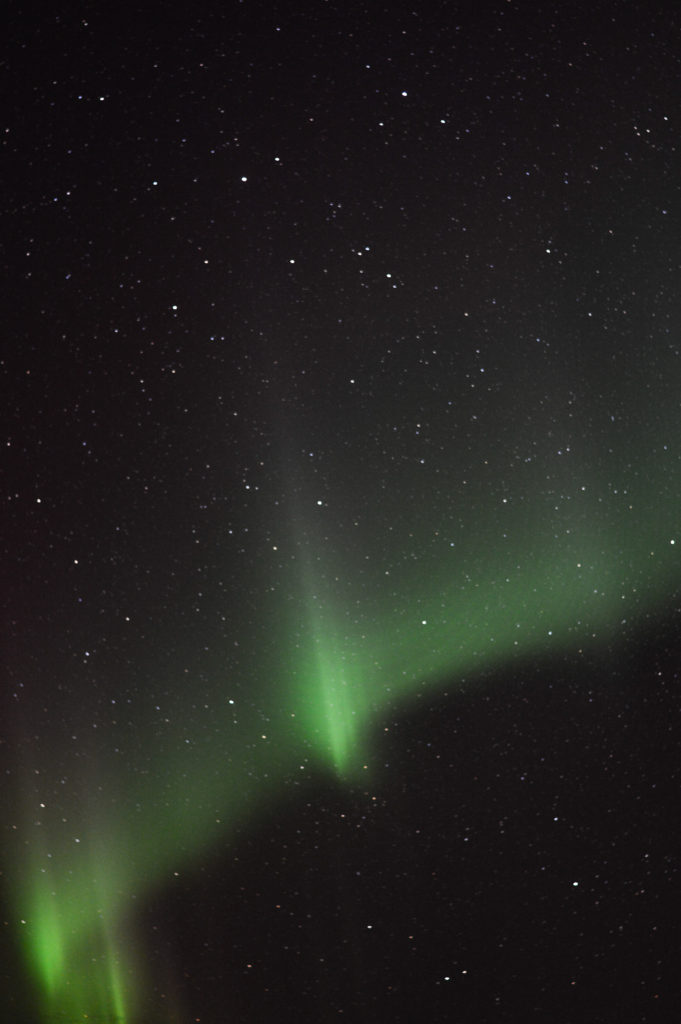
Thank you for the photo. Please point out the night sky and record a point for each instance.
(342, 513)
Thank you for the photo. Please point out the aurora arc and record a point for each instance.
(339, 667)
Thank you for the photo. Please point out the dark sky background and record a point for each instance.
(341, 512)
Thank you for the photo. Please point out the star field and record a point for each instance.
(341, 526)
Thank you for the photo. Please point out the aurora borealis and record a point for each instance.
(342, 504)
(344, 669)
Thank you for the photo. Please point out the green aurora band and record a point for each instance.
(540, 577)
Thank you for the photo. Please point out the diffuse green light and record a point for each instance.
(545, 577)
(79, 958)
(333, 706)
(76, 895)
(524, 582)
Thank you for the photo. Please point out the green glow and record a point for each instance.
(334, 706)
(46, 948)
(332, 688)
(81, 964)
(542, 575)
(538, 576)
